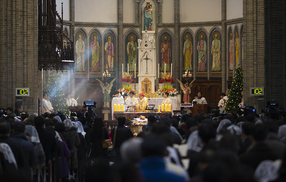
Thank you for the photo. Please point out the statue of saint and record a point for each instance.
(148, 16)
(106, 89)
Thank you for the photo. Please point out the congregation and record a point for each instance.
(200, 148)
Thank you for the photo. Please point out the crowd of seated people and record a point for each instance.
(199, 148)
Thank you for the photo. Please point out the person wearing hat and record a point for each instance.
(166, 99)
(131, 101)
(143, 103)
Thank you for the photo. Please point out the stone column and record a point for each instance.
(224, 75)
(176, 46)
(253, 66)
(19, 53)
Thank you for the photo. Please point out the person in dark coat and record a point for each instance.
(151, 123)
(123, 133)
(16, 148)
(96, 135)
(19, 136)
(47, 139)
(260, 151)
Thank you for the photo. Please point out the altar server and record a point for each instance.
(200, 99)
(131, 101)
(143, 103)
(166, 99)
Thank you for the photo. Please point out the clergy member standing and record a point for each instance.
(71, 101)
(131, 101)
(47, 105)
(221, 103)
(166, 99)
(141, 107)
(200, 99)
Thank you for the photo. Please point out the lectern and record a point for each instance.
(200, 108)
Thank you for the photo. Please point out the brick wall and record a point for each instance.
(18, 52)
(275, 50)
(253, 60)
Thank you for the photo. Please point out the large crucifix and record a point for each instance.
(146, 63)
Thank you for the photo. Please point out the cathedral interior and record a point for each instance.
(85, 40)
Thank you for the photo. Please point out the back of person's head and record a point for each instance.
(230, 143)
(191, 122)
(175, 123)
(185, 117)
(151, 119)
(19, 127)
(206, 132)
(24, 116)
(101, 172)
(229, 117)
(274, 115)
(4, 127)
(250, 118)
(39, 121)
(240, 119)
(121, 121)
(49, 122)
(199, 118)
(272, 126)
(60, 127)
(9, 109)
(130, 150)
(216, 172)
(166, 120)
(29, 121)
(247, 128)
(160, 129)
(153, 146)
(208, 122)
(126, 172)
(259, 132)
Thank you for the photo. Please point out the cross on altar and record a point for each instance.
(146, 63)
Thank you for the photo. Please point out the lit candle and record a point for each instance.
(159, 109)
(158, 70)
(122, 70)
(162, 107)
(122, 108)
(171, 69)
(165, 68)
(135, 71)
(115, 107)
(118, 107)
(170, 107)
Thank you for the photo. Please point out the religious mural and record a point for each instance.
(131, 52)
(80, 51)
(165, 52)
(236, 48)
(148, 16)
(109, 51)
(230, 49)
(188, 51)
(94, 54)
(202, 51)
(215, 51)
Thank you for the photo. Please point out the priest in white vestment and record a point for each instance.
(131, 100)
(221, 103)
(47, 105)
(200, 99)
(71, 101)
(166, 99)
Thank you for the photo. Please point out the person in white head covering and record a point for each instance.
(8, 155)
(282, 133)
(221, 124)
(194, 143)
(58, 118)
(32, 135)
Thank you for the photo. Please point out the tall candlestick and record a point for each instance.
(128, 68)
(171, 69)
(158, 70)
(122, 70)
(135, 71)
(165, 68)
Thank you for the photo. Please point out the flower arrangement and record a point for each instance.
(126, 80)
(172, 91)
(166, 80)
(126, 90)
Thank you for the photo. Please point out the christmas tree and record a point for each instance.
(56, 93)
(234, 95)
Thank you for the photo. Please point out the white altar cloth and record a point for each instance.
(176, 103)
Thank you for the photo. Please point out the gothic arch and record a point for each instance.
(168, 31)
(201, 29)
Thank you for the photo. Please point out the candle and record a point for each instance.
(122, 108)
(158, 70)
(135, 71)
(122, 70)
(127, 68)
(165, 68)
(159, 109)
(163, 107)
(118, 107)
(115, 107)
(171, 69)
(170, 107)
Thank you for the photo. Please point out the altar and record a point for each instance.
(176, 103)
